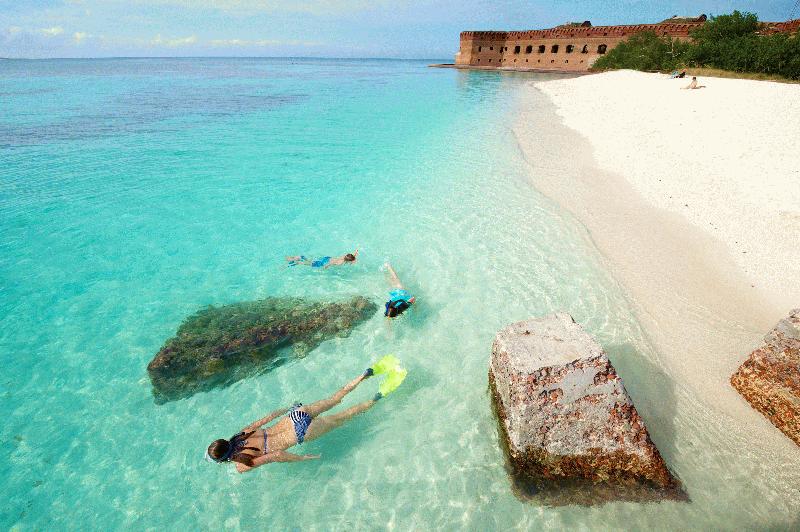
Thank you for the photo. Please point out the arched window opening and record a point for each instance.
(516, 49)
(491, 48)
(528, 49)
(602, 49)
(570, 48)
(554, 49)
(541, 48)
(479, 48)
(585, 49)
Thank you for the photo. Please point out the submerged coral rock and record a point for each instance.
(564, 412)
(221, 345)
(770, 378)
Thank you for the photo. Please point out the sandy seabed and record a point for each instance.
(693, 199)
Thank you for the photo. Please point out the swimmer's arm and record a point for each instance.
(394, 280)
(264, 420)
(274, 456)
(283, 456)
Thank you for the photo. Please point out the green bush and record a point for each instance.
(645, 51)
(727, 42)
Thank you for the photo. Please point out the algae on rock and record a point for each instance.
(221, 345)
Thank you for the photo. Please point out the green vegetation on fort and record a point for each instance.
(727, 42)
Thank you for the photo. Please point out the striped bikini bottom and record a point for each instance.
(301, 421)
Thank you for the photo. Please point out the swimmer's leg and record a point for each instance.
(324, 424)
(298, 259)
(318, 407)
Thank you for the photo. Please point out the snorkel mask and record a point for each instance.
(399, 306)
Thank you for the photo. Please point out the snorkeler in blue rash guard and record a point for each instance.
(323, 262)
(400, 299)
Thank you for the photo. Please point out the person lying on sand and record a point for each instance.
(400, 299)
(694, 85)
(255, 446)
(324, 262)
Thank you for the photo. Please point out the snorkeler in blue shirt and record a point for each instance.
(400, 299)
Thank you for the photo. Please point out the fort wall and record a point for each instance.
(568, 48)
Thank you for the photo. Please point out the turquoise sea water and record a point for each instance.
(134, 192)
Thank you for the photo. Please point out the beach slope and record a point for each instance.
(693, 199)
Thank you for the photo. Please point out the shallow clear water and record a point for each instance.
(134, 192)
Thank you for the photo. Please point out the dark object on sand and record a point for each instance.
(221, 345)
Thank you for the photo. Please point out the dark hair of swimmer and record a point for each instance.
(349, 257)
(222, 451)
(394, 310)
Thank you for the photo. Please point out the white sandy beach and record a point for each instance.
(693, 199)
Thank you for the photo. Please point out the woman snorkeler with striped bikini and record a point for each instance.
(255, 446)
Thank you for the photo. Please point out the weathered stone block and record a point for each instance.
(564, 412)
(770, 378)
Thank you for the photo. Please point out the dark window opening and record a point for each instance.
(570, 48)
(541, 48)
(585, 49)
(566, 60)
(554, 49)
(479, 48)
(552, 60)
(602, 49)
(528, 49)
(516, 49)
(491, 48)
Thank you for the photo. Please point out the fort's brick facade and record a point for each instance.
(568, 48)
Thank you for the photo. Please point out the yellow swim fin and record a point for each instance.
(396, 376)
(385, 365)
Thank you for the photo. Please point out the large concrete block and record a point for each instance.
(563, 410)
(770, 377)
